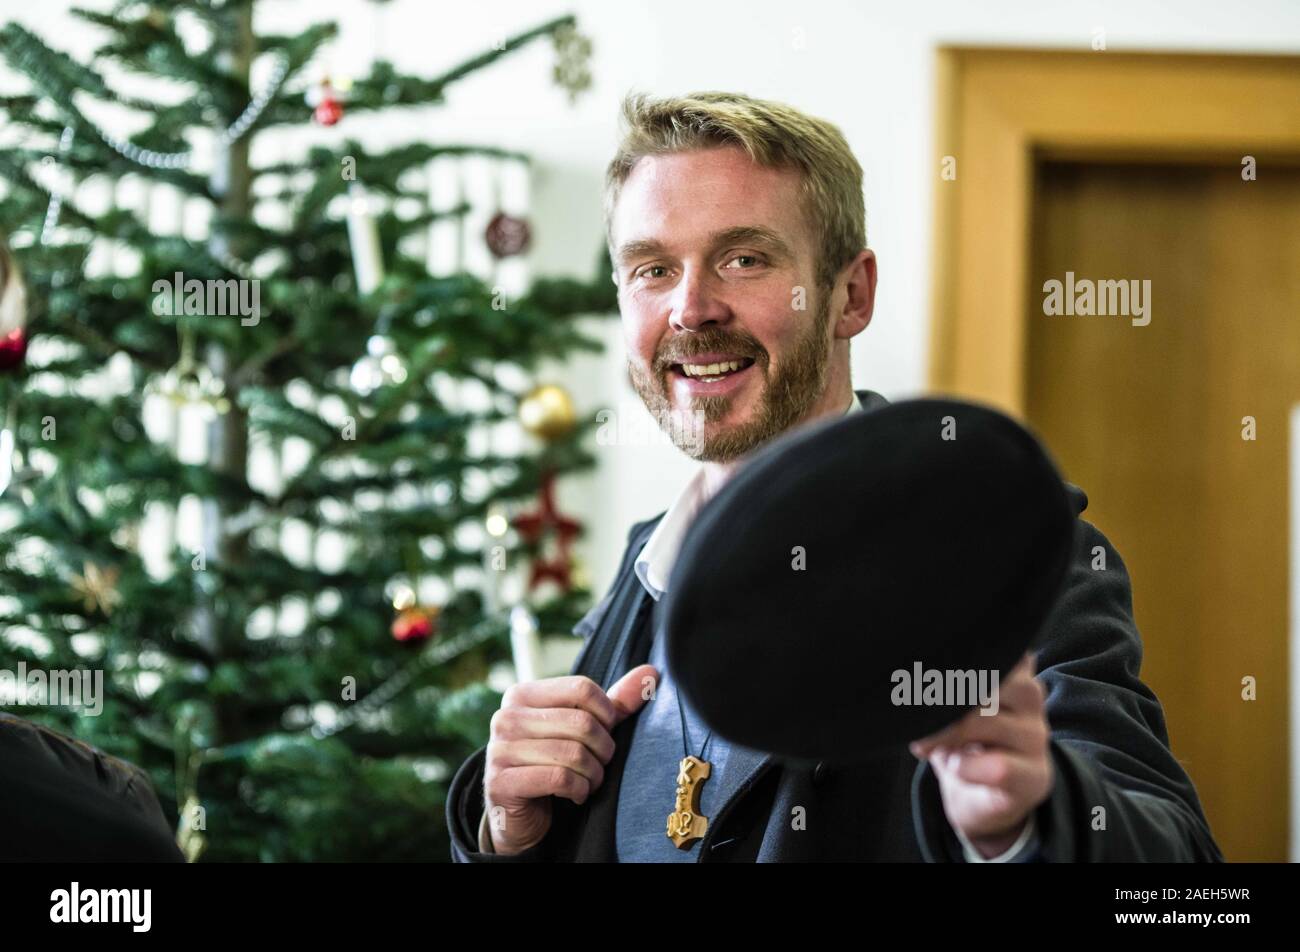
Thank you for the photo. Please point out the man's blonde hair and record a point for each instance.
(775, 136)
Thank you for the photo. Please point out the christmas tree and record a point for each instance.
(291, 700)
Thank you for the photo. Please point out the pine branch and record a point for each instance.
(56, 75)
(149, 45)
(385, 88)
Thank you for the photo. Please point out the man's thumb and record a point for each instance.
(632, 690)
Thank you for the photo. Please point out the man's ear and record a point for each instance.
(613, 276)
(860, 295)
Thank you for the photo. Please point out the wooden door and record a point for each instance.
(1148, 420)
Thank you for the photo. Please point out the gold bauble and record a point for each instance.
(547, 412)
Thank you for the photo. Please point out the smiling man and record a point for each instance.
(737, 231)
(729, 264)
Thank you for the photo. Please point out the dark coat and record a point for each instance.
(62, 800)
(1109, 748)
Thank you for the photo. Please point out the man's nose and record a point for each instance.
(697, 300)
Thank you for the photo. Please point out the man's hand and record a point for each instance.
(995, 770)
(551, 737)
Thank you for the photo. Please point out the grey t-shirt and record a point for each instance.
(647, 792)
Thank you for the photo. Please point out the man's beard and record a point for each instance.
(786, 398)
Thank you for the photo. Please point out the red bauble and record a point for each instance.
(507, 235)
(415, 624)
(13, 349)
(328, 111)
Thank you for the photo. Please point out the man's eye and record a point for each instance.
(646, 272)
(752, 261)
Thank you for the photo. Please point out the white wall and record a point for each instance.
(866, 66)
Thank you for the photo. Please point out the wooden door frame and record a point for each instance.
(999, 110)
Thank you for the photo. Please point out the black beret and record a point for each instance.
(850, 556)
(65, 801)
